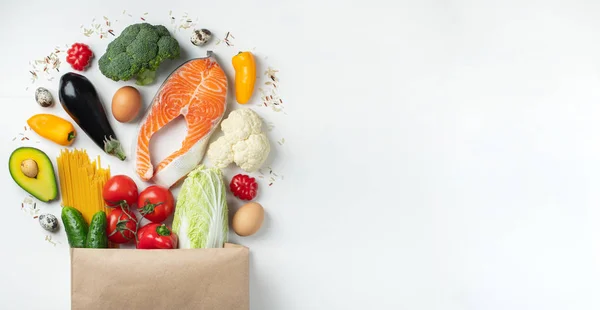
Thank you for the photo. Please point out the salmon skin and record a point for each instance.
(198, 91)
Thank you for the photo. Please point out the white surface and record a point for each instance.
(439, 155)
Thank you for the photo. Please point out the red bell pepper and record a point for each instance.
(79, 56)
(156, 236)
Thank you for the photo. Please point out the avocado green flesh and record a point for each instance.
(43, 186)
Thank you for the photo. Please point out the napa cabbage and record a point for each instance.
(201, 219)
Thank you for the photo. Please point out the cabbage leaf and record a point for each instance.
(201, 218)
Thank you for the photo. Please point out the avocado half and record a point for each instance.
(43, 186)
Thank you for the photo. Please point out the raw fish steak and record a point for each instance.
(198, 91)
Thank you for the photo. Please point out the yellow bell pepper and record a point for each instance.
(245, 76)
(53, 128)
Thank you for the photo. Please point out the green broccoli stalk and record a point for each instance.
(138, 52)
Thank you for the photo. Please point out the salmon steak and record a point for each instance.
(197, 90)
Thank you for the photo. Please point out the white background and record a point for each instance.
(438, 154)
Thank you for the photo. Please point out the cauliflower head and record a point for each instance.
(243, 142)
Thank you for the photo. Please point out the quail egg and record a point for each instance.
(200, 37)
(49, 222)
(43, 97)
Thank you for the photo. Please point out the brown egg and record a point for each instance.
(248, 219)
(126, 104)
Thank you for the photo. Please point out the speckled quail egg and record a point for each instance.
(43, 97)
(49, 222)
(200, 37)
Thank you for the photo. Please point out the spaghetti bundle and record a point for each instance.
(81, 182)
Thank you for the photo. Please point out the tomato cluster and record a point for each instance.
(155, 203)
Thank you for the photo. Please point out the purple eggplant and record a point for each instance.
(79, 98)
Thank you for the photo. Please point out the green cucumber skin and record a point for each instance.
(97, 238)
(75, 227)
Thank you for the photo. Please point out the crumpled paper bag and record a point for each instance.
(160, 279)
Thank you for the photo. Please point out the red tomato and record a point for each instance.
(119, 189)
(156, 236)
(122, 225)
(156, 203)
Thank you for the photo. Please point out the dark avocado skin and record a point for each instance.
(34, 186)
(80, 100)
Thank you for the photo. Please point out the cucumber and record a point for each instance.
(75, 227)
(96, 237)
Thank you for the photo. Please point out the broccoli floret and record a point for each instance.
(138, 52)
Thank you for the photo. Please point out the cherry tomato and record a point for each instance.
(119, 189)
(156, 236)
(121, 225)
(156, 203)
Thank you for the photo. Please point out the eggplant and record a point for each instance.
(79, 98)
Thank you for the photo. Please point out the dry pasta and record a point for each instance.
(81, 182)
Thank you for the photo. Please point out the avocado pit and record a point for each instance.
(29, 168)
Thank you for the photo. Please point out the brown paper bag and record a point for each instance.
(160, 279)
